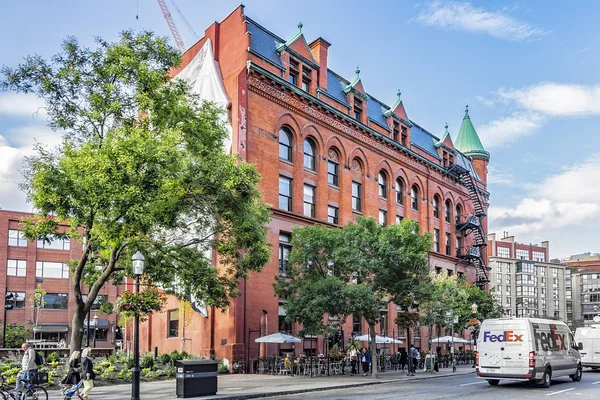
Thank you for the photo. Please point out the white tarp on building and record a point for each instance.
(204, 76)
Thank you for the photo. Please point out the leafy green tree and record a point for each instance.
(456, 295)
(16, 335)
(355, 270)
(141, 166)
(38, 302)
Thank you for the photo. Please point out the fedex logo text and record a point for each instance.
(506, 336)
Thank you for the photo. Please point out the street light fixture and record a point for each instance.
(474, 332)
(137, 262)
(8, 297)
(95, 322)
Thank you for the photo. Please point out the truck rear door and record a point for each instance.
(504, 348)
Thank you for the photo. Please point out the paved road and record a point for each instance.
(464, 387)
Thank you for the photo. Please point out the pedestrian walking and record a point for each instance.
(28, 367)
(73, 375)
(87, 368)
(414, 354)
(353, 359)
(365, 361)
(403, 359)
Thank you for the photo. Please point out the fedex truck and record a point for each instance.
(589, 337)
(526, 349)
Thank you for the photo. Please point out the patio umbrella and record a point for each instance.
(278, 338)
(378, 339)
(448, 340)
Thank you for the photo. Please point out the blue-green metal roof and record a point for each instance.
(467, 140)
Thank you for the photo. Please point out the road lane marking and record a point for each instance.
(595, 383)
(560, 391)
(472, 383)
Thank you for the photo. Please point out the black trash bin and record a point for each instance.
(196, 378)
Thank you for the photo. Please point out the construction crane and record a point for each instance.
(165, 10)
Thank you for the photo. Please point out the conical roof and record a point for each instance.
(467, 141)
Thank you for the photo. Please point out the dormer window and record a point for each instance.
(294, 67)
(358, 109)
(306, 72)
(445, 158)
(404, 137)
(396, 131)
(450, 160)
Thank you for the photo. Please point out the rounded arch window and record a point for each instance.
(414, 197)
(382, 183)
(436, 206)
(333, 168)
(285, 144)
(447, 211)
(309, 154)
(458, 213)
(399, 188)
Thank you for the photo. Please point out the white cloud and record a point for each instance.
(22, 105)
(11, 166)
(556, 99)
(463, 16)
(559, 207)
(499, 177)
(509, 129)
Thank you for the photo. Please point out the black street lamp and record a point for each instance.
(475, 331)
(95, 322)
(8, 297)
(138, 269)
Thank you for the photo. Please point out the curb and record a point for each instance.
(322, 389)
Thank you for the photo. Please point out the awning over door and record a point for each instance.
(102, 324)
(51, 328)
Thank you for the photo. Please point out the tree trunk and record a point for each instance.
(373, 344)
(77, 329)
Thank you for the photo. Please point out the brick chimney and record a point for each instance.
(319, 50)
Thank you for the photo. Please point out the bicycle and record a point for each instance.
(31, 390)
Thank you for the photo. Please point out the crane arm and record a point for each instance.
(169, 18)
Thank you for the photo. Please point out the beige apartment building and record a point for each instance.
(523, 280)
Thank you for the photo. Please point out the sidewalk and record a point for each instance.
(242, 386)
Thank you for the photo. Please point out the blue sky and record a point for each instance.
(527, 69)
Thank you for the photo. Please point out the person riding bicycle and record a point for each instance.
(28, 367)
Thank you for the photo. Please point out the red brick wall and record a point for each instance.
(27, 284)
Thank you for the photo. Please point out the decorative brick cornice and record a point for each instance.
(280, 97)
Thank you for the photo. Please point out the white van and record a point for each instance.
(526, 349)
(589, 337)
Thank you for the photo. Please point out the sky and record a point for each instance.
(527, 69)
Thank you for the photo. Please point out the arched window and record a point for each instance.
(309, 154)
(333, 168)
(436, 206)
(399, 192)
(285, 144)
(458, 213)
(447, 208)
(382, 182)
(414, 197)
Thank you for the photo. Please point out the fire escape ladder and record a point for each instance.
(472, 224)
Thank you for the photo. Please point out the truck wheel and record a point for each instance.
(577, 375)
(546, 379)
(493, 382)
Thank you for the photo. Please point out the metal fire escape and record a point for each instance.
(471, 224)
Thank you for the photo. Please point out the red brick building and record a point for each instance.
(507, 247)
(328, 151)
(24, 265)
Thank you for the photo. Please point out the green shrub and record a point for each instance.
(165, 359)
(112, 359)
(184, 355)
(52, 357)
(170, 371)
(109, 373)
(124, 374)
(222, 368)
(147, 361)
(175, 356)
